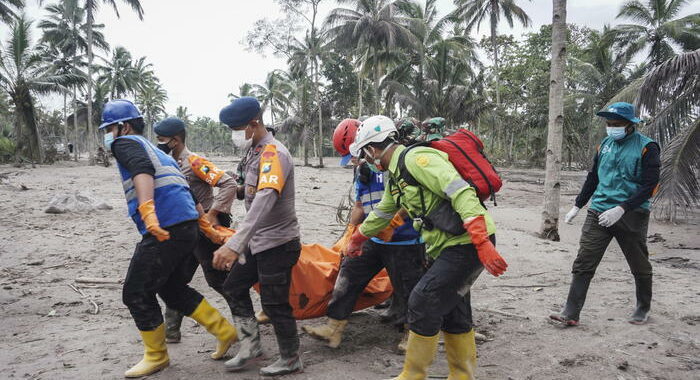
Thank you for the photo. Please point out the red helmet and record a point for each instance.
(344, 135)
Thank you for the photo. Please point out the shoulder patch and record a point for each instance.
(270, 174)
(422, 160)
(205, 170)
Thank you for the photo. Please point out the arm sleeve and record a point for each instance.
(651, 170)
(227, 193)
(132, 156)
(262, 204)
(589, 186)
(437, 174)
(381, 215)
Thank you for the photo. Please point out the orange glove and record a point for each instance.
(388, 232)
(209, 231)
(356, 241)
(225, 232)
(148, 215)
(342, 244)
(493, 262)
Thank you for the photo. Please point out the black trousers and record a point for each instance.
(441, 299)
(203, 255)
(631, 234)
(403, 262)
(273, 270)
(160, 268)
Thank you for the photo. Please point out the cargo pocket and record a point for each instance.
(274, 289)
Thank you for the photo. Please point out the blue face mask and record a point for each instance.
(108, 140)
(617, 133)
(373, 168)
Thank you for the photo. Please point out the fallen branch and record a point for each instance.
(522, 286)
(485, 310)
(79, 291)
(319, 204)
(98, 280)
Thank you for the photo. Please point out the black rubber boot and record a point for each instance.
(643, 285)
(574, 302)
(173, 321)
(396, 310)
(289, 361)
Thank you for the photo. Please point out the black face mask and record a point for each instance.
(165, 148)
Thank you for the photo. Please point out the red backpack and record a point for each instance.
(466, 152)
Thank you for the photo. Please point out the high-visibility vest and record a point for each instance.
(171, 195)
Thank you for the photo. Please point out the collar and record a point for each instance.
(394, 162)
(184, 155)
(264, 141)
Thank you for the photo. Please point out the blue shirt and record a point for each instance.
(369, 194)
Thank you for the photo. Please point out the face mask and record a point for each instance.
(165, 147)
(373, 168)
(617, 133)
(239, 140)
(108, 140)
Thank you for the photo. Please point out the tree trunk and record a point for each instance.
(359, 95)
(317, 97)
(91, 135)
(494, 43)
(75, 123)
(65, 123)
(376, 85)
(550, 213)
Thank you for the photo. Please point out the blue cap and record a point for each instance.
(169, 127)
(241, 111)
(117, 111)
(345, 159)
(620, 111)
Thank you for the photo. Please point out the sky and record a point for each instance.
(198, 52)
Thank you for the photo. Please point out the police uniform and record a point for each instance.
(268, 238)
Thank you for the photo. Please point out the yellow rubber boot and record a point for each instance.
(461, 355)
(331, 331)
(419, 354)
(155, 354)
(217, 325)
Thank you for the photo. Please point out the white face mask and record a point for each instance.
(239, 140)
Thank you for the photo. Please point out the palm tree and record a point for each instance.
(274, 93)
(119, 73)
(373, 26)
(657, 29)
(555, 129)
(7, 7)
(670, 94)
(151, 99)
(91, 7)
(23, 75)
(474, 12)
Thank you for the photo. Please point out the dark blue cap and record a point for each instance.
(620, 111)
(169, 127)
(240, 112)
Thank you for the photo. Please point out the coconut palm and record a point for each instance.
(657, 29)
(371, 27)
(151, 99)
(474, 12)
(7, 9)
(91, 6)
(274, 93)
(23, 76)
(119, 73)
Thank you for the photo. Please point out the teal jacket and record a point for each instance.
(620, 172)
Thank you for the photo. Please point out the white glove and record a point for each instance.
(611, 216)
(571, 214)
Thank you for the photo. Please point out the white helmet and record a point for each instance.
(374, 129)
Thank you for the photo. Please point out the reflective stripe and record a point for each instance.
(160, 182)
(373, 197)
(161, 171)
(382, 214)
(455, 185)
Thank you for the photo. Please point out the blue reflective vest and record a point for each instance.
(370, 194)
(619, 171)
(171, 195)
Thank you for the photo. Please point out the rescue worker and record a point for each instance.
(161, 205)
(266, 245)
(398, 248)
(443, 201)
(433, 129)
(202, 176)
(623, 178)
(408, 128)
